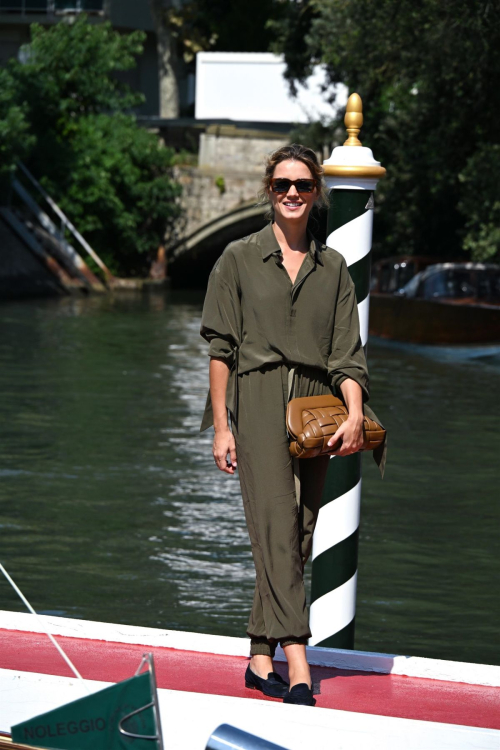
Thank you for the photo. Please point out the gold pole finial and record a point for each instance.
(353, 119)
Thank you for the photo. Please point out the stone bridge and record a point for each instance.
(220, 198)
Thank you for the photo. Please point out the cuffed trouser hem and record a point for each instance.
(267, 647)
(291, 641)
(262, 646)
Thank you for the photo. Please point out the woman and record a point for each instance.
(281, 319)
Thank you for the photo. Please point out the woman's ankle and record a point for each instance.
(298, 668)
(261, 665)
(298, 676)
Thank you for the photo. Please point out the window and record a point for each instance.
(78, 5)
(433, 286)
(410, 289)
(488, 285)
(449, 283)
(51, 6)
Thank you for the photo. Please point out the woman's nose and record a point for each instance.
(292, 192)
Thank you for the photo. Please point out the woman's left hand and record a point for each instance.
(351, 434)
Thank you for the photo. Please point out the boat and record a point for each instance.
(364, 700)
(423, 302)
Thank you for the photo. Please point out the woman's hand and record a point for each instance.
(351, 431)
(351, 434)
(222, 445)
(223, 440)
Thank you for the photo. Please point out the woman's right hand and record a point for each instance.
(222, 445)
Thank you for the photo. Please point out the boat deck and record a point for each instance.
(194, 670)
(216, 674)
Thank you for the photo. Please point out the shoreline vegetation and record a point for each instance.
(430, 103)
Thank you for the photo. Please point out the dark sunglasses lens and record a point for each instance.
(304, 186)
(281, 186)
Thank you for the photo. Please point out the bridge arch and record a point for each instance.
(192, 259)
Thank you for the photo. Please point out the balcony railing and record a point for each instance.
(51, 7)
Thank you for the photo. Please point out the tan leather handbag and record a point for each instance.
(312, 420)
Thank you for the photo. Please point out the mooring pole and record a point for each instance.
(351, 175)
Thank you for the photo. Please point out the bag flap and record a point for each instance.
(297, 406)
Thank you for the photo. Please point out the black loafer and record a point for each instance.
(300, 695)
(275, 686)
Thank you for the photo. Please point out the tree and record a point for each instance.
(427, 75)
(226, 26)
(119, 193)
(112, 178)
(15, 139)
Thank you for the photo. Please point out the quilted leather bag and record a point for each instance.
(312, 420)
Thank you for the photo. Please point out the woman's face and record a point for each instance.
(292, 205)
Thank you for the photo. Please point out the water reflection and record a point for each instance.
(111, 507)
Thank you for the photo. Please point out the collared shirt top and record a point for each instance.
(254, 315)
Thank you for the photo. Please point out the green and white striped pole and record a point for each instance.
(351, 176)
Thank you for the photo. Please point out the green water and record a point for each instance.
(111, 507)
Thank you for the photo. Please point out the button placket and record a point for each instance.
(288, 333)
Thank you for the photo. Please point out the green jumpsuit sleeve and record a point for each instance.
(347, 357)
(221, 325)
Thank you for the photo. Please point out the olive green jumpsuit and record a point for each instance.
(280, 340)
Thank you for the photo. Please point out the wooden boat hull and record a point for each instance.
(421, 321)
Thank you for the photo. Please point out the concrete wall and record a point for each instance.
(229, 173)
(237, 152)
(203, 200)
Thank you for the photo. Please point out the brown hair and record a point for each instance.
(295, 152)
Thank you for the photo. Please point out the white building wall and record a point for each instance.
(250, 87)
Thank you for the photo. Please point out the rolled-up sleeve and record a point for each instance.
(347, 357)
(221, 326)
(221, 317)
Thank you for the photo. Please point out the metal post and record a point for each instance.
(351, 175)
(227, 737)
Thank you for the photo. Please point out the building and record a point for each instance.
(125, 16)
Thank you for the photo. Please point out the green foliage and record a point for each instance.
(224, 25)
(427, 75)
(15, 140)
(118, 192)
(480, 203)
(185, 158)
(320, 135)
(220, 183)
(112, 178)
(68, 70)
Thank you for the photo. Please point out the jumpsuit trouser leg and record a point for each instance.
(280, 531)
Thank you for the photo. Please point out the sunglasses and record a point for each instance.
(283, 185)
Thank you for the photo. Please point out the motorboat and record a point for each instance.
(443, 303)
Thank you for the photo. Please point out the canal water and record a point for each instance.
(111, 507)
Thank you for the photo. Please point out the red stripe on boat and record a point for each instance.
(363, 692)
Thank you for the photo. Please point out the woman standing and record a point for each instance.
(281, 319)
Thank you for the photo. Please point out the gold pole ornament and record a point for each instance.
(353, 163)
(353, 120)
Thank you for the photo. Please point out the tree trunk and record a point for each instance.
(169, 90)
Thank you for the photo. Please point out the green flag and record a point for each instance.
(124, 716)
